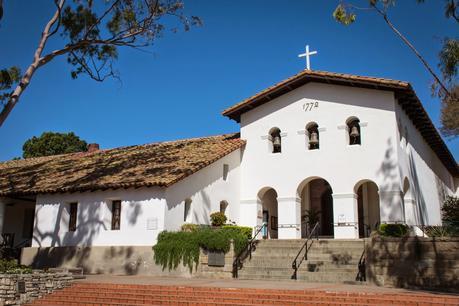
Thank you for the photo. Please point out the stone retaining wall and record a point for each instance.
(414, 262)
(36, 285)
(120, 260)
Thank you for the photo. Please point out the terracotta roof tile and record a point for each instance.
(157, 164)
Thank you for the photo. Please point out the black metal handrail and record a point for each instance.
(361, 274)
(295, 263)
(237, 263)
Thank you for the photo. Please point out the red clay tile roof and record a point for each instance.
(158, 164)
(404, 94)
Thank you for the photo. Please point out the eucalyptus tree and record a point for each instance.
(444, 86)
(92, 32)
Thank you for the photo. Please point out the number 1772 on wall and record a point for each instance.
(307, 107)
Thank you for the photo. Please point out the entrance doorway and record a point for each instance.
(316, 206)
(368, 207)
(268, 198)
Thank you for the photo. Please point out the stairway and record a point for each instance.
(98, 294)
(329, 260)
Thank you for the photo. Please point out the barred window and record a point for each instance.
(73, 217)
(116, 215)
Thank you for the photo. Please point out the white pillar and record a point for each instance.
(289, 217)
(410, 212)
(345, 216)
(391, 206)
(251, 214)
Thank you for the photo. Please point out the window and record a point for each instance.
(223, 206)
(27, 226)
(187, 211)
(73, 217)
(312, 130)
(116, 215)
(353, 128)
(275, 138)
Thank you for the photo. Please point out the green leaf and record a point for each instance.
(342, 16)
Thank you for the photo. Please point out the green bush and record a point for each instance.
(245, 230)
(174, 248)
(217, 218)
(393, 230)
(450, 210)
(10, 266)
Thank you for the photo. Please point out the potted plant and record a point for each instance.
(217, 219)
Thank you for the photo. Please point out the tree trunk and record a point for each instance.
(25, 80)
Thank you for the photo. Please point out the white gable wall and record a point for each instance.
(343, 166)
(428, 179)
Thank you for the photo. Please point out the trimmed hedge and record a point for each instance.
(183, 247)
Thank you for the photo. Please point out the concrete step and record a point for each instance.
(315, 277)
(273, 262)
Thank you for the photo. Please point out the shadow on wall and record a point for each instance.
(74, 248)
(414, 262)
(388, 171)
(422, 217)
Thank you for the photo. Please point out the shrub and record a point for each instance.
(393, 230)
(450, 210)
(10, 266)
(245, 230)
(439, 231)
(217, 218)
(174, 248)
(189, 227)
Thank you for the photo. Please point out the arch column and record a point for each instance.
(410, 211)
(345, 216)
(289, 217)
(252, 213)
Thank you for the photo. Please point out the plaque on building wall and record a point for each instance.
(152, 224)
(216, 259)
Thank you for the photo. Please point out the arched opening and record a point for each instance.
(312, 134)
(275, 140)
(368, 207)
(353, 129)
(268, 198)
(316, 206)
(223, 206)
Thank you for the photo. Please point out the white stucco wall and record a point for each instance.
(343, 166)
(138, 208)
(429, 180)
(206, 188)
(145, 212)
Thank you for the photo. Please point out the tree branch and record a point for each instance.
(25, 80)
(418, 55)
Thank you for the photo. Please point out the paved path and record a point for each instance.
(257, 284)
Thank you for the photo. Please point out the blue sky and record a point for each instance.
(179, 90)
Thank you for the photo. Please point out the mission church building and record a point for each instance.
(358, 151)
